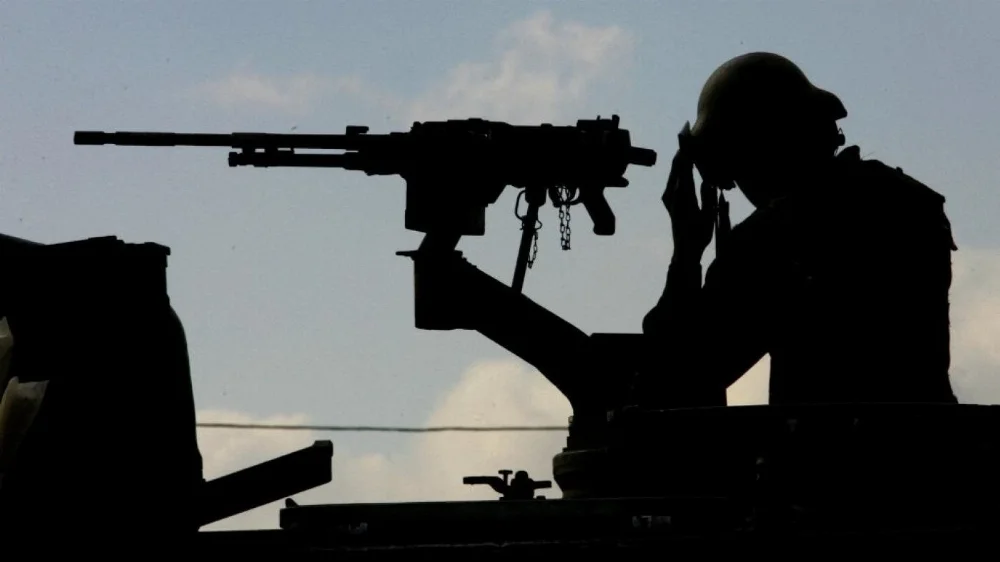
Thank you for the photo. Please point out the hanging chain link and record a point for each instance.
(534, 246)
(564, 227)
(564, 218)
(534, 235)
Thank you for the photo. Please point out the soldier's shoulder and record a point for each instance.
(879, 176)
(893, 189)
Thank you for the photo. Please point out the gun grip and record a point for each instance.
(599, 210)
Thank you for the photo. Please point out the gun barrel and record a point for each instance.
(285, 159)
(231, 140)
(151, 139)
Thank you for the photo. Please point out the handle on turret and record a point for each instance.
(522, 487)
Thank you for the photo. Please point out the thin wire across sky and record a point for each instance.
(381, 429)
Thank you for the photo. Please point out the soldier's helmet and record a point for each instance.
(758, 90)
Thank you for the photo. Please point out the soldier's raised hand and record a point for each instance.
(692, 225)
(725, 225)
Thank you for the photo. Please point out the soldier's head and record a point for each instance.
(762, 125)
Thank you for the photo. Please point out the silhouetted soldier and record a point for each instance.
(841, 273)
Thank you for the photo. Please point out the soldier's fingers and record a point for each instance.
(683, 184)
(673, 194)
(668, 197)
(709, 201)
(725, 224)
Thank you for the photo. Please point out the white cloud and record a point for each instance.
(752, 387)
(294, 93)
(975, 321)
(224, 451)
(297, 93)
(542, 70)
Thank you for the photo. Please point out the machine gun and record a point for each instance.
(453, 169)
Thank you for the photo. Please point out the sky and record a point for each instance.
(297, 309)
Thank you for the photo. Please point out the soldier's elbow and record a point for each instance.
(652, 323)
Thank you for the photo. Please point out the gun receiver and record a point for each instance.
(453, 169)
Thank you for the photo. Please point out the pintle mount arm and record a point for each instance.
(452, 294)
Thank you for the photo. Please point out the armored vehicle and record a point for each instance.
(95, 342)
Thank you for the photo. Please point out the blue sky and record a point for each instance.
(293, 299)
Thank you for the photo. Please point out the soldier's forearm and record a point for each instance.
(680, 295)
(683, 276)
